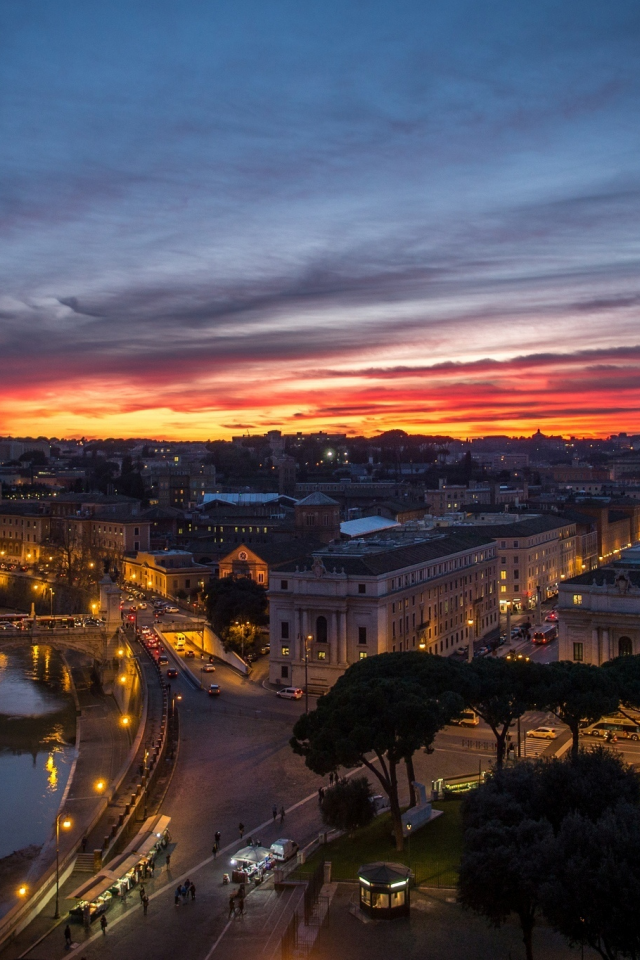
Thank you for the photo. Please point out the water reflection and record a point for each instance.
(37, 730)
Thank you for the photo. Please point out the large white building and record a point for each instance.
(599, 612)
(353, 600)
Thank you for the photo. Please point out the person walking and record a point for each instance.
(214, 850)
(192, 891)
(218, 837)
(177, 896)
(142, 892)
(168, 860)
(331, 779)
(145, 905)
(67, 937)
(241, 906)
(241, 829)
(275, 813)
(232, 905)
(103, 924)
(282, 814)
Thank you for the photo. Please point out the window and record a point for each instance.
(187, 583)
(285, 651)
(322, 654)
(577, 600)
(578, 652)
(284, 672)
(284, 584)
(516, 574)
(362, 588)
(503, 559)
(321, 630)
(503, 574)
(503, 588)
(362, 634)
(136, 531)
(363, 655)
(625, 647)
(261, 578)
(284, 629)
(516, 544)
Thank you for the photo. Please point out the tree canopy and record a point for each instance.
(577, 693)
(230, 600)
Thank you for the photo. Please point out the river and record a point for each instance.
(37, 735)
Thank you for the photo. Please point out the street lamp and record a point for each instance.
(66, 823)
(470, 625)
(409, 825)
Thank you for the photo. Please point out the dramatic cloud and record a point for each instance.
(224, 217)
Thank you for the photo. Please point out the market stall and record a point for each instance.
(251, 863)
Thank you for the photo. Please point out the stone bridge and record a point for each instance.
(94, 642)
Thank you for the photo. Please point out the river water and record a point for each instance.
(37, 735)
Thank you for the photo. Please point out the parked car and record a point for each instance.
(214, 690)
(543, 733)
(172, 671)
(208, 668)
(283, 849)
(290, 693)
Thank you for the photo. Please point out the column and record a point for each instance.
(342, 637)
(606, 644)
(334, 651)
(304, 633)
(596, 646)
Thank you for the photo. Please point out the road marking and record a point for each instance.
(218, 940)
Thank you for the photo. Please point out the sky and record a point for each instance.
(232, 216)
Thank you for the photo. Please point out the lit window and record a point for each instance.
(285, 651)
(503, 588)
(322, 654)
(577, 599)
(363, 654)
(503, 574)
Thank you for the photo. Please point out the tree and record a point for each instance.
(511, 821)
(387, 717)
(437, 676)
(592, 894)
(507, 856)
(230, 600)
(624, 674)
(347, 805)
(577, 693)
(500, 691)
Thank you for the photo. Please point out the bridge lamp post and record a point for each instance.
(66, 824)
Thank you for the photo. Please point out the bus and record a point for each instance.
(544, 633)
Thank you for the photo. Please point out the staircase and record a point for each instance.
(84, 863)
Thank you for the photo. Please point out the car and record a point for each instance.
(208, 668)
(130, 599)
(264, 650)
(142, 606)
(214, 690)
(172, 609)
(543, 733)
(468, 718)
(164, 660)
(517, 656)
(290, 693)
(189, 654)
(551, 617)
(172, 671)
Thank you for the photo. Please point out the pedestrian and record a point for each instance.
(241, 905)
(214, 850)
(320, 795)
(331, 779)
(232, 905)
(177, 895)
(145, 905)
(168, 861)
(67, 936)
(142, 892)
(217, 837)
(152, 867)
(103, 924)
(275, 813)
(192, 891)
(281, 814)
(84, 844)
(241, 829)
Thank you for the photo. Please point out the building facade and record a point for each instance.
(534, 557)
(355, 600)
(171, 573)
(599, 615)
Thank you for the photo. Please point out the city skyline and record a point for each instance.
(327, 217)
